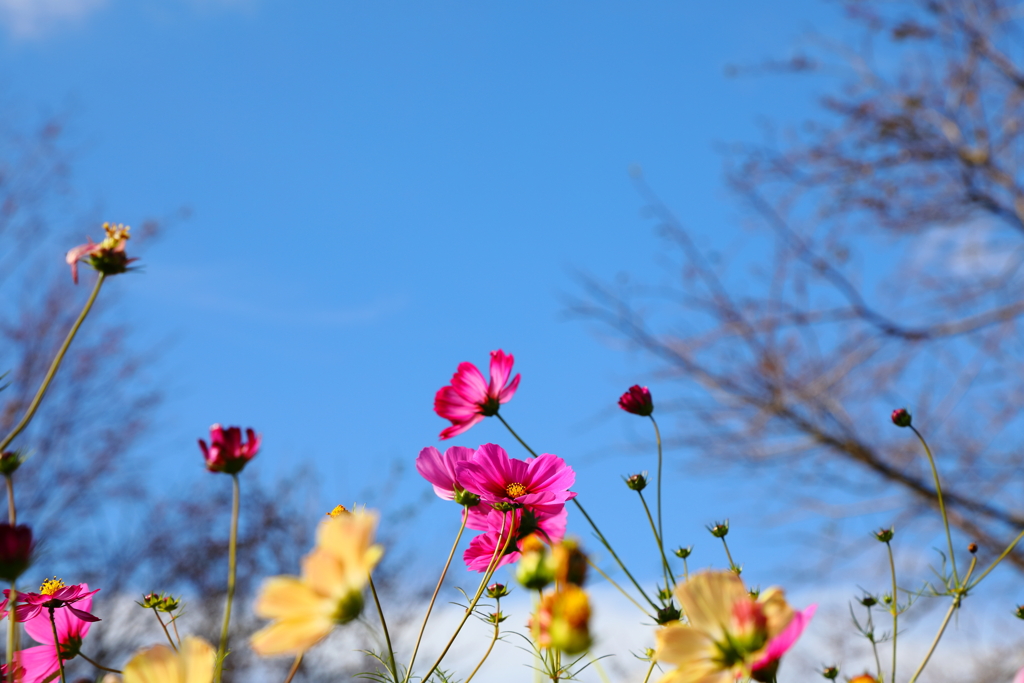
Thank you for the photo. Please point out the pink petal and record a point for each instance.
(469, 383)
(1019, 678)
(39, 662)
(501, 368)
(508, 392)
(84, 616)
(787, 638)
(459, 428)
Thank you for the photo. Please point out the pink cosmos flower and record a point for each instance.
(439, 469)
(481, 549)
(107, 257)
(52, 594)
(469, 399)
(637, 401)
(541, 484)
(227, 453)
(40, 662)
(1019, 678)
(786, 639)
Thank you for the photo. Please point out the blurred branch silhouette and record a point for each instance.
(884, 270)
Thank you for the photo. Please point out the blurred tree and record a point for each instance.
(889, 275)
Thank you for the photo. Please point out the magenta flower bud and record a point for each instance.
(497, 590)
(227, 452)
(901, 417)
(637, 401)
(16, 547)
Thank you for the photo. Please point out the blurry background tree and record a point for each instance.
(882, 269)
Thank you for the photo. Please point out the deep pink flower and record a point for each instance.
(52, 594)
(16, 547)
(637, 401)
(107, 257)
(541, 484)
(551, 528)
(227, 453)
(786, 638)
(40, 662)
(469, 399)
(439, 469)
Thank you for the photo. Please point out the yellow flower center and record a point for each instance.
(338, 511)
(51, 586)
(116, 233)
(515, 490)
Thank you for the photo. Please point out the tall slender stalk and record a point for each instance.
(518, 438)
(164, 627)
(232, 568)
(97, 664)
(617, 586)
(661, 532)
(295, 667)
(874, 645)
(12, 512)
(661, 546)
(650, 669)
(895, 609)
(437, 589)
(1009, 549)
(942, 504)
(494, 638)
(54, 365)
(384, 626)
(958, 596)
(56, 645)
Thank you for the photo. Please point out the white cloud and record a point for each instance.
(30, 18)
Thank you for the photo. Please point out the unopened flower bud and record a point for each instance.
(465, 498)
(504, 506)
(666, 614)
(754, 593)
(901, 417)
(535, 568)
(570, 563)
(497, 590)
(972, 548)
(868, 601)
(637, 401)
(495, 618)
(637, 482)
(348, 608)
(830, 672)
(1020, 612)
(16, 546)
(150, 600)
(719, 529)
(683, 553)
(885, 535)
(10, 461)
(886, 598)
(570, 621)
(664, 594)
(169, 604)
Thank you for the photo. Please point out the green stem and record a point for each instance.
(491, 567)
(232, 566)
(942, 504)
(874, 645)
(957, 597)
(295, 667)
(437, 589)
(661, 533)
(617, 586)
(650, 669)
(56, 645)
(494, 639)
(97, 664)
(34, 405)
(686, 571)
(384, 626)
(600, 536)
(174, 623)
(1009, 549)
(895, 609)
(732, 565)
(669, 583)
(12, 512)
(164, 627)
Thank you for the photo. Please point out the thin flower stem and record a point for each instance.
(12, 626)
(34, 405)
(661, 532)
(174, 623)
(518, 438)
(650, 670)
(12, 512)
(437, 589)
(222, 650)
(686, 571)
(295, 667)
(494, 639)
(97, 664)
(957, 597)
(942, 504)
(608, 546)
(895, 609)
(999, 559)
(732, 565)
(600, 536)
(618, 587)
(657, 539)
(384, 626)
(164, 627)
(874, 645)
(56, 645)
(491, 567)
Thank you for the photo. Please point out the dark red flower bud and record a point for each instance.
(637, 401)
(972, 548)
(16, 547)
(901, 417)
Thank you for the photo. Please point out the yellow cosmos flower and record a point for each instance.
(329, 592)
(727, 629)
(193, 663)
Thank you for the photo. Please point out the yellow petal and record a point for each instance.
(322, 572)
(286, 597)
(349, 539)
(161, 664)
(681, 645)
(699, 672)
(707, 600)
(198, 659)
(776, 610)
(290, 636)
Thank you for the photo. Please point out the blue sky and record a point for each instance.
(379, 191)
